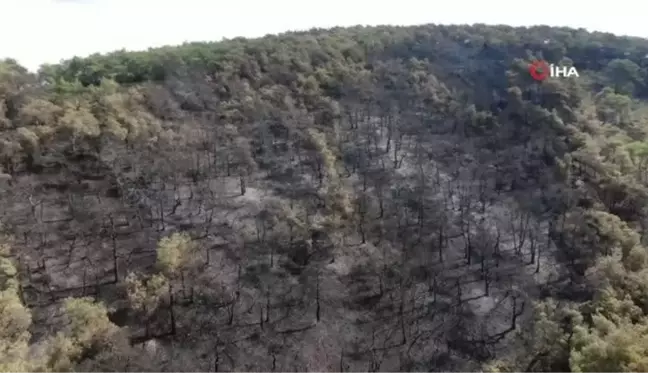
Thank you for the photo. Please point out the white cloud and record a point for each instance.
(39, 31)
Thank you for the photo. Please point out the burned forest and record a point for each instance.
(351, 199)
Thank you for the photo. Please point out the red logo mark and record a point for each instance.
(539, 70)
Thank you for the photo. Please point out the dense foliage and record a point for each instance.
(357, 199)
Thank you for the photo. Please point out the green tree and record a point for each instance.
(610, 347)
(15, 319)
(174, 253)
(623, 75)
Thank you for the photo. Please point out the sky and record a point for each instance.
(46, 31)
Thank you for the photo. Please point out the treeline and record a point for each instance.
(368, 198)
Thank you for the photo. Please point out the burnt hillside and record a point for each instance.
(353, 199)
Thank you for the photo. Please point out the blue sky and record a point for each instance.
(46, 31)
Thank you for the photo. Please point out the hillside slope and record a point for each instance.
(359, 199)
